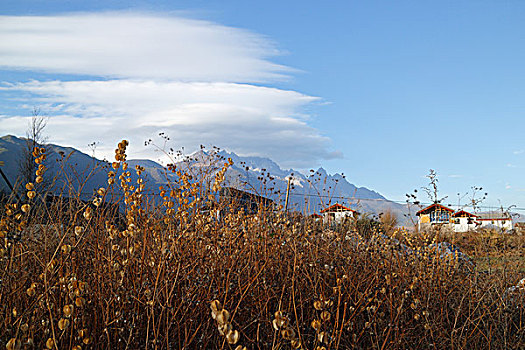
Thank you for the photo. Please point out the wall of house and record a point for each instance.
(505, 224)
(463, 225)
(337, 216)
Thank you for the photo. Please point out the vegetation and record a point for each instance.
(175, 274)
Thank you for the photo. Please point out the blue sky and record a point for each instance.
(382, 91)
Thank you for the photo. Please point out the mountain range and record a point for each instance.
(309, 193)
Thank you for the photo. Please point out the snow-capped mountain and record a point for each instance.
(309, 192)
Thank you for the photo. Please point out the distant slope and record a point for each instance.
(309, 193)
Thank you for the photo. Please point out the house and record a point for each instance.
(463, 221)
(495, 219)
(336, 213)
(315, 217)
(435, 214)
(251, 203)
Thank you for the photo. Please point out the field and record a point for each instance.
(77, 275)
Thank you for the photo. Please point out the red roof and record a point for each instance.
(336, 207)
(315, 215)
(463, 213)
(434, 206)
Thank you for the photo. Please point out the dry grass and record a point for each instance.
(75, 275)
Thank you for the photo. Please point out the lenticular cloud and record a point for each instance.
(147, 74)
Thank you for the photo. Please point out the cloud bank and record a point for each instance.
(193, 80)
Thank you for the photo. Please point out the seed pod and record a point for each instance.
(325, 316)
(233, 337)
(79, 301)
(50, 343)
(63, 324)
(223, 316)
(13, 344)
(316, 324)
(318, 305)
(225, 329)
(288, 333)
(296, 344)
(68, 310)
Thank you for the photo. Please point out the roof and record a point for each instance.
(463, 213)
(336, 207)
(433, 207)
(494, 215)
(315, 215)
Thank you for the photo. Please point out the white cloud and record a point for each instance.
(128, 45)
(190, 79)
(247, 119)
(519, 151)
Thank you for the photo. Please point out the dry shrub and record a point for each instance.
(80, 275)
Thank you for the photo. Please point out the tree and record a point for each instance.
(34, 137)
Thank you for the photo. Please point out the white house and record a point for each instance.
(463, 221)
(495, 219)
(336, 213)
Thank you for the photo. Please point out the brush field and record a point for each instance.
(175, 275)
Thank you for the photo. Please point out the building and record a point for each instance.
(461, 221)
(433, 215)
(495, 219)
(337, 213)
(251, 203)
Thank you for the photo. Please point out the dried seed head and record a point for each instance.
(216, 306)
(318, 305)
(68, 310)
(30, 186)
(39, 179)
(101, 191)
(24, 327)
(233, 337)
(30, 292)
(316, 324)
(88, 213)
(77, 347)
(223, 316)
(296, 344)
(50, 343)
(63, 324)
(288, 333)
(31, 194)
(225, 328)
(25, 208)
(66, 248)
(79, 230)
(325, 316)
(13, 344)
(322, 337)
(79, 301)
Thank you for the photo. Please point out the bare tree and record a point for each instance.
(34, 137)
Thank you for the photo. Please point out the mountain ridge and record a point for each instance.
(309, 192)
